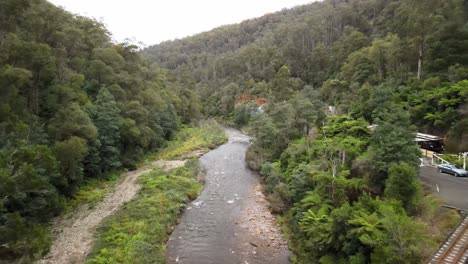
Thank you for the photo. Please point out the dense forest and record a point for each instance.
(73, 106)
(346, 83)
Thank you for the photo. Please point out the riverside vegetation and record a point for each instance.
(75, 107)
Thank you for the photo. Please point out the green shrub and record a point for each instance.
(206, 135)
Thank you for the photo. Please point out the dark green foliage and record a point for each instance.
(243, 113)
(71, 121)
(265, 133)
(393, 142)
(29, 187)
(29, 198)
(23, 240)
(71, 154)
(108, 123)
(403, 185)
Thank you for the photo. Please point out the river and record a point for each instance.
(229, 222)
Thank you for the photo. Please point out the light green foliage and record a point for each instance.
(138, 232)
(393, 236)
(92, 192)
(344, 126)
(206, 135)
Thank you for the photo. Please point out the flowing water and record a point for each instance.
(229, 222)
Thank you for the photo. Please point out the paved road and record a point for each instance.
(453, 190)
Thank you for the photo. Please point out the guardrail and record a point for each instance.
(438, 158)
(459, 210)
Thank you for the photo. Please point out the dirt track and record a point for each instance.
(73, 234)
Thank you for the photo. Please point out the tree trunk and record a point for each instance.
(421, 55)
(343, 157)
(333, 180)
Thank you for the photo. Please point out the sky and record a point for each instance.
(154, 21)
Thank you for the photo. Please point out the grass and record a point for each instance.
(92, 192)
(206, 135)
(139, 231)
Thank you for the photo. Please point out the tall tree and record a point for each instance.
(108, 124)
(422, 22)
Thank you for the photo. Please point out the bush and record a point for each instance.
(208, 134)
(403, 185)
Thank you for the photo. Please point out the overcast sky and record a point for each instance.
(153, 21)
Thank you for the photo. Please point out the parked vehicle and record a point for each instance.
(452, 169)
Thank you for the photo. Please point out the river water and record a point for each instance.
(229, 222)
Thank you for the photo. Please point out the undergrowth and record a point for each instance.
(206, 135)
(138, 232)
(92, 192)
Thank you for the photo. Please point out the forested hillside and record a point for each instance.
(347, 192)
(73, 106)
(343, 51)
